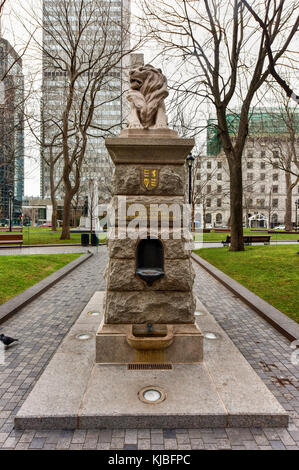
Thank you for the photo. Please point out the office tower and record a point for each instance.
(108, 113)
(11, 131)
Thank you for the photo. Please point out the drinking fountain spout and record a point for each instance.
(150, 260)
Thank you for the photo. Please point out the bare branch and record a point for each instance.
(290, 93)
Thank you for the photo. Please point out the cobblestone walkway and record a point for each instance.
(43, 323)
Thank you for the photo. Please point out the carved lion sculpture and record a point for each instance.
(148, 90)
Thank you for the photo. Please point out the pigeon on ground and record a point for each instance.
(6, 340)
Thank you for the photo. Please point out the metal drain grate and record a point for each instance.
(149, 366)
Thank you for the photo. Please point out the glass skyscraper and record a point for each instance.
(11, 130)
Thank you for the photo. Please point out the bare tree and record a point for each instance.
(225, 59)
(51, 154)
(54, 156)
(2, 3)
(268, 43)
(283, 148)
(206, 190)
(270, 207)
(77, 207)
(87, 44)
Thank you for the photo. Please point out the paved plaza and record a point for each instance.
(42, 324)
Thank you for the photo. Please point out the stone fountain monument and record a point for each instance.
(149, 304)
(148, 370)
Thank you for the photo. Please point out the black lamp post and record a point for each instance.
(190, 159)
(10, 194)
(296, 205)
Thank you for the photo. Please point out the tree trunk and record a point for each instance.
(236, 206)
(75, 217)
(65, 234)
(246, 218)
(288, 203)
(53, 191)
(54, 214)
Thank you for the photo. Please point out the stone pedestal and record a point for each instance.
(149, 182)
(112, 346)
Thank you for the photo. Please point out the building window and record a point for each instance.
(219, 165)
(274, 219)
(218, 218)
(219, 189)
(249, 202)
(275, 176)
(198, 175)
(219, 176)
(250, 165)
(249, 176)
(275, 154)
(262, 188)
(263, 165)
(263, 154)
(208, 202)
(219, 202)
(249, 154)
(209, 189)
(275, 189)
(263, 176)
(260, 202)
(209, 176)
(208, 218)
(275, 203)
(209, 165)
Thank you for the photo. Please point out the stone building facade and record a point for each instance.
(264, 182)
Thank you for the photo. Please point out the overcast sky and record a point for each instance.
(16, 27)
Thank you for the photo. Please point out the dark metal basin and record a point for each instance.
(149, 275)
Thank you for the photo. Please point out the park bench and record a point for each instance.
(11, 239)
(14, 229)
(249, 239)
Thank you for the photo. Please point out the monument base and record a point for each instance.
(149, 133)
(113, 345)
(74, 392)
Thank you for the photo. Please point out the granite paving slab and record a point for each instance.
(74, 392)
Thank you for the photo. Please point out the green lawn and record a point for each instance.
(271, 272)
(18, 272)
(44, 236)
(213, 236)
